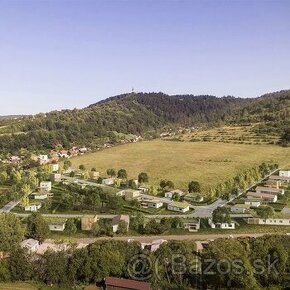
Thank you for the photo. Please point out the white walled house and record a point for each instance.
(284, 173)
(43, 158)
(54, 167)
(253, 203)
(224, 226)
(108, 181)
(33, 207)
(178, 206)
(192, 225)
(45, 185)
(151, 203)
(57, 225)
(116, 220)
(240, 208)
(39, 195)
(168, 194)
(55, 177)
(270, 221)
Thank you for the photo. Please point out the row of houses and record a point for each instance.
(265, 194)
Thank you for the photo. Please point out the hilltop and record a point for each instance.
(145, 114)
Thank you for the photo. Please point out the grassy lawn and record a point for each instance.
(28, 286)
(207, 162)
(229, 134)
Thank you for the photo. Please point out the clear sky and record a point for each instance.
(58, 54)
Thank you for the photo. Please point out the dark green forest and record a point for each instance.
(145, 114)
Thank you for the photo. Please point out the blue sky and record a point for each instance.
(58, 54)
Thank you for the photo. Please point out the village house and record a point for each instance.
(178, 206)
(108, 181)
(270, 221)
(131, 194)
(56, 225)
(33, 207)
(39, 195)
(30, 244)
(54, 167)
(253, 202)
(43, 159)
(224, 226)
(190, 197)
(284, 173)
(151, 203)
(171, 193)
(113, 283)
(45, 186)
(154, 246)
(63, 154)
(87, 222)
(55, 177)
(263, 196)
(273, 183)
(263, 189)
(116, 220)
(280, 178)
(192, 225)
(94, 175)
(143, 189)
(240, 208)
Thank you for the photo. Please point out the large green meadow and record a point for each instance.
(210, 163)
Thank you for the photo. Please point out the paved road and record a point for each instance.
(10, 205)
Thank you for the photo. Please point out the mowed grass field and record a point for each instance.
(210, 163)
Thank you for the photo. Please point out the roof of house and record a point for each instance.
(261, 195)
(179, 204)
(153, 200)
(191, 221)
(240, 206)
(56, 221)
(268, 188)
(178, 191)
(116, 219)
(127, 284)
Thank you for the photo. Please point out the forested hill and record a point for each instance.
(140, 114)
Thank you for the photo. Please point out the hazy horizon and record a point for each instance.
(69, 54)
